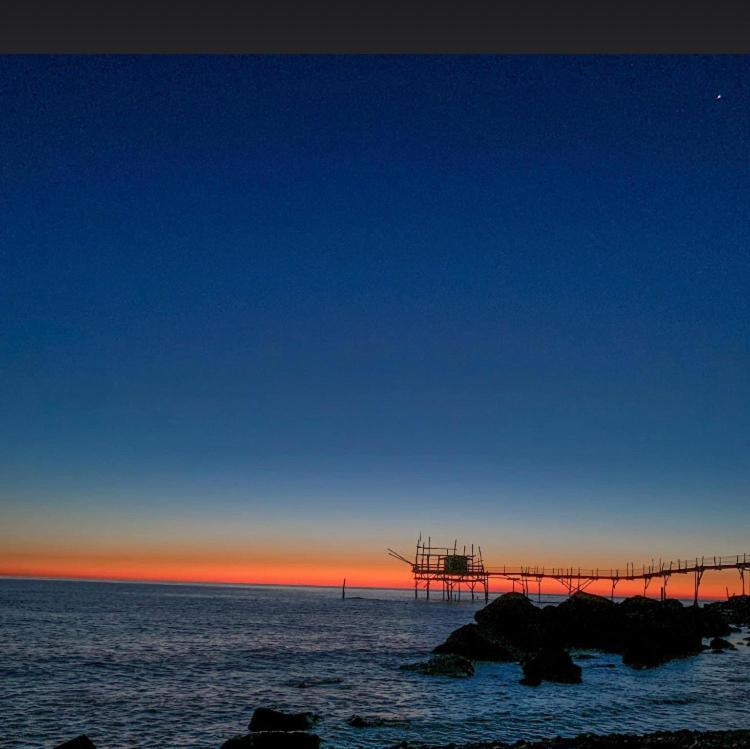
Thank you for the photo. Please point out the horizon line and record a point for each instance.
(136, 581)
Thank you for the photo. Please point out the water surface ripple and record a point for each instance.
(137, 665)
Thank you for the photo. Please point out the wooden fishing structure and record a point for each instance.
(448, 567)
(452, 569)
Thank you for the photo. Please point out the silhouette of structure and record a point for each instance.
(453, 570)
(449, 568)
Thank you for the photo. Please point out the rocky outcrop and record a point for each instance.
(654, 632)
(265, 719)
(583, 621)
(358, 721)
(719, 643)
(443, 665)
(473, 642)
(513, 620)
(645, 631)
(79, 742)
(735, 610)
(550, 664)
(273, 729)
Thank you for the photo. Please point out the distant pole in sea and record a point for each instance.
(343, 589)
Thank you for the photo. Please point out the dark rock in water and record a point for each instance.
(443, 665)
(550, 664)
(645, 631)
(655, 632)
(265, 719)
(584, 656)
(513, 620)
(718, 643)
(357, 721)
(712, 622)
(274, 740)
(314, 681)
(735, 610)
(79, 742)
(583, 621)
(237, 742)
(475, 643)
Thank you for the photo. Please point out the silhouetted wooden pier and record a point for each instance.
(452, 569)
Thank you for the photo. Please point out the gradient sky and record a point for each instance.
(317, 305)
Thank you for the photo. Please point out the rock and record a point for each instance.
(584, 621)
(550, 664)
(645, 631)
(735, 610)
(274, 740)
(357, 721)
(655, 632)
(712, 622)
(718, 643)
(314, 681)
(79, 742)
(473, 642)
(513, 620)
(443, 665)
(265, 719)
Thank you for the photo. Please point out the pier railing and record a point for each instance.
(451, 569)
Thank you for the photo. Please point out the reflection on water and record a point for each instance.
(138, 665)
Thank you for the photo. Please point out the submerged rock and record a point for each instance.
(443, 665)
(357, 721)
(274, 740)
(550, 664)
(477, 644)
(315, 681)
(79, 742)
(719, 643)
(266, 719)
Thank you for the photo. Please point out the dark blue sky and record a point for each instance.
(512, 290)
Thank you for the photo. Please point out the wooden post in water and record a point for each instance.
(343, 589)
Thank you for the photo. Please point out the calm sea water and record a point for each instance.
(137, 665)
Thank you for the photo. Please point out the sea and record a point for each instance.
(156, 665)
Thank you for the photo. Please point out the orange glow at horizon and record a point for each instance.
(331, 572)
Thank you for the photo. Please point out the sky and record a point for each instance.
(263, 317)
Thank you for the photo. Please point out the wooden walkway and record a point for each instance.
(453, 570)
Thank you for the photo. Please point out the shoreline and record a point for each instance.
(682, 739)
